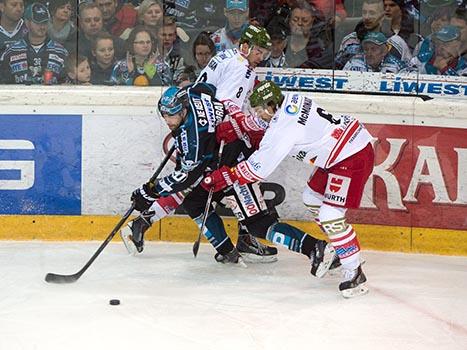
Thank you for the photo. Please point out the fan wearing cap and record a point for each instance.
(236, 13)
(12, 26)
(376, 56)
(440, 54)
(278, 30)
(36, 59)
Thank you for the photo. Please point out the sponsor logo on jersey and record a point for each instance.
(300, 156)
(183, 3)
(209, 108)
(247, 200)
(184, 141)
(18, 67)
(305, 111)
(337, 189)
(248, 73)
(291, 109)
(212, 65)
(200, 113)
(21, 56)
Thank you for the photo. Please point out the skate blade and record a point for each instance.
(125, 235)
(361, 289)
(323, 268)
(258, 259)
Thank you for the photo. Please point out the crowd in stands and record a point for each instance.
(165, 42)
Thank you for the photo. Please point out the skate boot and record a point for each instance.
(354, 283)
(322, 258)
(133, 233)
(253, 251)
(232, 257)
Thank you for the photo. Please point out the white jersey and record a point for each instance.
(306, 132)
(231, 74)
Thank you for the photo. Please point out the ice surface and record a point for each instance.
(169, 300)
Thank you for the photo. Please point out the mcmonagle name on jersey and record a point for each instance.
(307, 132)
(23, 63)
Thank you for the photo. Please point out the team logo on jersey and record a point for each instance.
(337, 189)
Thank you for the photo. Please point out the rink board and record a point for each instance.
(67, 170)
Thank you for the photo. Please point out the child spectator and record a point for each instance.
(61, 28)
(103, 58)
(77, 70)
(169, 46)
(12, 26)
(142, 67)
(203, 51)
(236, 12)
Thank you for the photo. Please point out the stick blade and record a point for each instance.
(195, 248)
(61, 279)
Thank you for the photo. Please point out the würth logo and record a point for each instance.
(335, 185)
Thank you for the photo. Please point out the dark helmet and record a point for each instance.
(256, 35)
(265, 92)
(172, 101)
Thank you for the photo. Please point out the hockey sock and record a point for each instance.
(291, 237)
(314, 211)
(214, 232)
(345, 242)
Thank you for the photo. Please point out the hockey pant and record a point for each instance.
(332, 222)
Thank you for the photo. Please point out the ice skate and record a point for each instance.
(133, 234)
(253, 251)
(354, 283)
(232, 257)
(322, 258)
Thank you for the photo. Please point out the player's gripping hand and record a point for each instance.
(144, 197)
(226, 132)
(219, 179)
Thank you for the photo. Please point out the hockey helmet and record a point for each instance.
(265, 92)
(172, 101)
(256, 35)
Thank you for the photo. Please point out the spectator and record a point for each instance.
(203, 51)
(61, 28)
(236, 12)
(438, 18)
(459, 20)
(90, 24)
(442, 57)
(150, 13)
(117, 17)
(397, 20)
(142, 67)
(375, 57)
(103, 53)
(372, 17)
(169, 46)
(278, 31)
(187, 76)
(307, 46)
(12, 26)
(36, 59)
(77, 70)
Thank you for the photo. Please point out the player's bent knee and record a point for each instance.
(311, 198)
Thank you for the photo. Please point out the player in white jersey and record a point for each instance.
(339, 148)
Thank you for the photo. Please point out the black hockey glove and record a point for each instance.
(144, 197)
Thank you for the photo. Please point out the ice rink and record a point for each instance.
(169, 300)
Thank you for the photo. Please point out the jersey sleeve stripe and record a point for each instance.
(348, 133)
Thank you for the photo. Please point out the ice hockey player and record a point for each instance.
(186, 114)
(232, 73)
(339, 148)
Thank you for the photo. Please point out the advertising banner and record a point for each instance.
(40, 164)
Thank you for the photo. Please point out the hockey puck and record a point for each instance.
(114, 302)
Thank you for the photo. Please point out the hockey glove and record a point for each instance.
(144, 197)
(226, 132)
(219, 179)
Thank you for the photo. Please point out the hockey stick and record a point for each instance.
(57, 278)
(208, 205)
